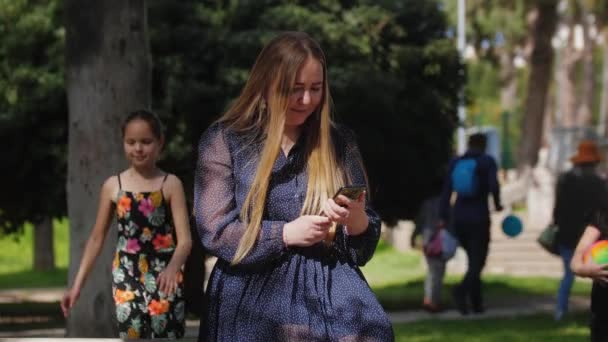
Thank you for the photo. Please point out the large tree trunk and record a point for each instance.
(603, 115)
(508, 80)
(44, 254)
(584, 114)
(544, 21)
(107, 76)
(566, 83)
(548, 123)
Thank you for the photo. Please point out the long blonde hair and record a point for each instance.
(261, 109)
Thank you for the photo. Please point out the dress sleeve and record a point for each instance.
(359, 248)
(217, 214)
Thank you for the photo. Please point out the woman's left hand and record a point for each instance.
(168, 280)
(347, 212)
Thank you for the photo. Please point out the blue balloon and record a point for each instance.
(511, 225)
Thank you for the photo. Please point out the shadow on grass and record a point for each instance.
(499, 291)
(30, 315)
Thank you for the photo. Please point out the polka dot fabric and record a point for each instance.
(316, 293)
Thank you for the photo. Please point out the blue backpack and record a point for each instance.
(464, 177)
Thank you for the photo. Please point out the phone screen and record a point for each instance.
(351, 191)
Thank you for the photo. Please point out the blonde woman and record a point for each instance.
(265, 178)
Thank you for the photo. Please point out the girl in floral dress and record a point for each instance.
(151, 211)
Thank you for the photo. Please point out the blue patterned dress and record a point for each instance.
(277, 293)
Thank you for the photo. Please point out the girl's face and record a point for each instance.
(142, 147)
(306, 94)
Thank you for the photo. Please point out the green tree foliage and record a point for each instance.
(33, 114)
(498, 32)
(393, 74)
(394, 78)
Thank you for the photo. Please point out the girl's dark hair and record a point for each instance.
(155, 125)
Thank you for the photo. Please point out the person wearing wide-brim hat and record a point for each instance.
(587, 153)
(579, 191)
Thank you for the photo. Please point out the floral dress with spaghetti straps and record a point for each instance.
(145, 247)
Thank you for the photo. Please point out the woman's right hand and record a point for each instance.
(69, 299)
(306, 230)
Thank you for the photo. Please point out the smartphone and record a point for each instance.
(351, 191)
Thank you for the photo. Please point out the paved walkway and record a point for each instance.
(513, 308)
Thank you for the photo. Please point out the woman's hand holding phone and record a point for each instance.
(306, 230)
(348, 212)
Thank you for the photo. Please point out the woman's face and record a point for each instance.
(306, 94)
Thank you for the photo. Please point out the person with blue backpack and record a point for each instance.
(472, 177)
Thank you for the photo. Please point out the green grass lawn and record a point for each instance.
(16, 258)
(389, 267)
(525, 328)
(396, 278)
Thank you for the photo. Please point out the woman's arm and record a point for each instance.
(169, 278)
(94, 243)
(588, 269)
(360, 237)
(217, 215)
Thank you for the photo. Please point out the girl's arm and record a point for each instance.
(94, 244)
(169, 277)
(588, 269)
